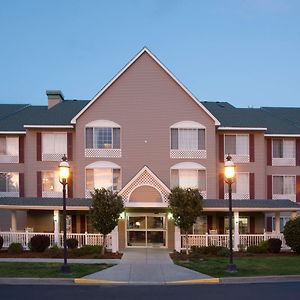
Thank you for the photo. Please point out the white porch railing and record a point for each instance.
(83, 238)
(202, 240)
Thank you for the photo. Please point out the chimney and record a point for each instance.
(54, 97)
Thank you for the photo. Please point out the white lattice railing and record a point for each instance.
(237, 196)
(83, 238)
(102, 152)
(52, 194)
(246, 240)
(239, 158)
(52, 156)
(9, 194)
(283, 161)
(187, 153)
(9, 158)
(284, 196)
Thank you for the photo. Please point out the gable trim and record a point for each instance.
(242, 128)
(144, 50)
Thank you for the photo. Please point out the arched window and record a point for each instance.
(102, 139)
(102, 174)
(188, 140)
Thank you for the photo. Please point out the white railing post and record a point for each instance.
(85, 238)
(206, 239)
(26, 239)
(114, 240)
(177, 235)
(236, 237)
(56, 227)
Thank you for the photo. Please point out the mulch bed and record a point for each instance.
(29, 254)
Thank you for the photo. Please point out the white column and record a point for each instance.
(13, 220)
(177, 239)
(115, 240)
(56, 227)
(236, 240)
(277, 222)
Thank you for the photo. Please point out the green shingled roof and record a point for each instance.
(9, 109)
(60, 114)
(230, 116)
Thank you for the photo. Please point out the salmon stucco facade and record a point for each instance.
(141, 135)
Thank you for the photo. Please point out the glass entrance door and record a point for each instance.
(146, 230)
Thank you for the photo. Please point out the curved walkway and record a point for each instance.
(146, 266)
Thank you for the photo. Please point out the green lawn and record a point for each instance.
(247, 266)
(47, 270)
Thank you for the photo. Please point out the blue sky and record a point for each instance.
(246, 52)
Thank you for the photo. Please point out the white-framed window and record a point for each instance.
(189, 175)
(9, 183)
(102, 174)
(200, 227)
(102, 138)
(283, 152)
(283, 221)
(243, 224)
(284, 185)
(9, 149)
(187, 140)
(236, 144)
(51, 187)
(54, 145)
(240, 187)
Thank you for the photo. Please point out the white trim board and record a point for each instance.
(144, 50)
(48, 126)
(242, 128)
(282, 135)
(12, 132)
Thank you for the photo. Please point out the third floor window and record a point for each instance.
(237, 144)
(9, 146)
(102, 138)
(284, 148)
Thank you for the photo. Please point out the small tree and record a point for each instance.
(105, 211)
(291, 234)
(186, 207)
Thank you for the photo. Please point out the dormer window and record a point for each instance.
(188, 140)
(102, 139)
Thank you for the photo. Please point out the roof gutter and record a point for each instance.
(48, 126)
(243, 128)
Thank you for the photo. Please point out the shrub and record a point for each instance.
(55, 252)
(274, 245)
(86, 250)
(242, 248)
(291, 234)
(223, 251)
(209, 250)
(257, 249)
(1, 242)
(39, 243)
(15, 248)
(72, 243)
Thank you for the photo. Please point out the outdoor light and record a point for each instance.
(64, 168)
(229, 174)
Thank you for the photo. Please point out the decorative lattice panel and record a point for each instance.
(9, 159)
(145, 179)
(237, 196)
(284, 162)
(284, 196)
(187, 153)
(52, 157)
(239, 158)
(103, 153)
(52, 194)
(9, 194)
(204, 194)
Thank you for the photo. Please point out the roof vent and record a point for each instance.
(54, 97)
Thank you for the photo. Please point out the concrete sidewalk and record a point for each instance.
(146, 266)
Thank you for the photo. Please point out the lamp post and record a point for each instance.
(64, 168)
(229, 172)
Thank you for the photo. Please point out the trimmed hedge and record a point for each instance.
(1, 242)
(291, 234)
(209, 250)
(72, 243)
(39, 243)
(15, 248)
(274, 245)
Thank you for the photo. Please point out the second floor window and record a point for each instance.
(50, 182)
(102, 138)
(188, 178)
(9, 146)
(54, 143)
(240, 187)
(9, 182)
(284, 148)
(187, 139)
(284, 185)
(237, 144)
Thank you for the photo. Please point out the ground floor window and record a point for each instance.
(200, 227)
(243, 225)
(9, 182)
(283, 221)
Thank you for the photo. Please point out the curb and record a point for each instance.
(260, 279)
(98, 281)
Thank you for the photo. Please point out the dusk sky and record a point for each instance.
(246, 52)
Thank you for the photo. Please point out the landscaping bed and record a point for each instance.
(59, 254)
(47, 270)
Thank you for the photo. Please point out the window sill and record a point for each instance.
(89, 152)
(9, 159)
(187, 153)
(284, 162)
(52, 194)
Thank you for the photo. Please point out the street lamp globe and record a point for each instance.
(64, 169)
(229, 168)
